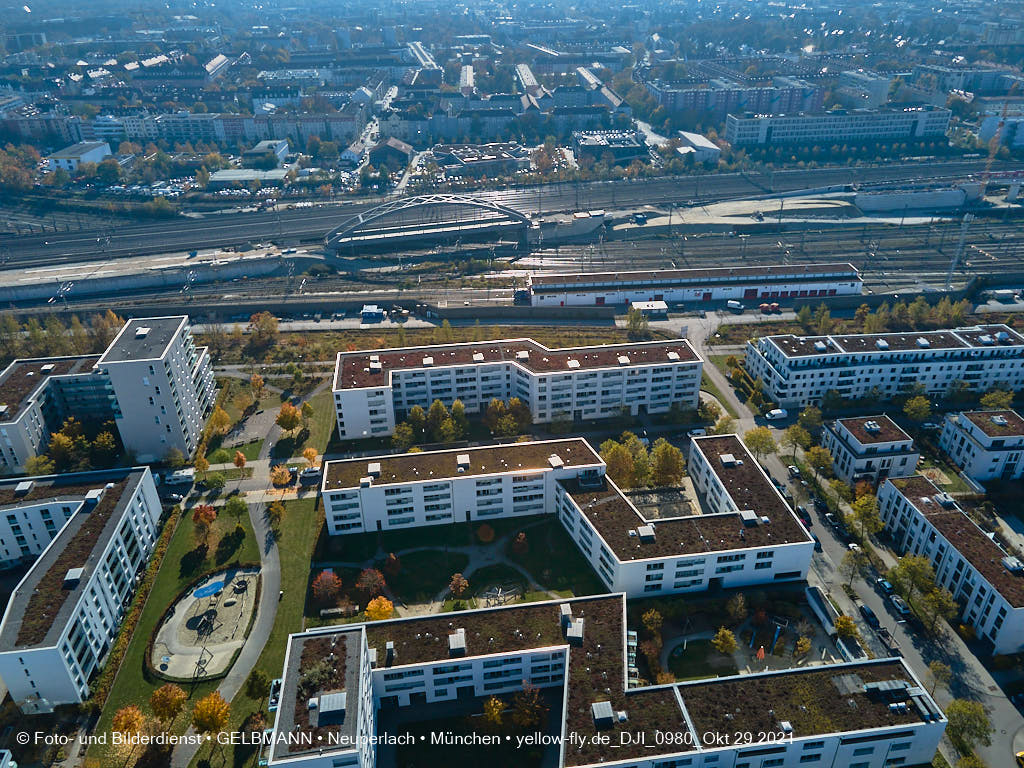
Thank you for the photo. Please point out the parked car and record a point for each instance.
(900, 606)
(309, 475)
(819, 505)
(803, 514)
(776, 413)
(817, 543)
(869, 616)
(853, 546)
(885, 586)
(831, 520)
(697, 432)
(794, 471)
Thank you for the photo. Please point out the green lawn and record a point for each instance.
(711, 388)
(424, 574)
(569, 570)
(298, 533)
(225, 455)
(183, 564)
(699, 661)
(317, 434)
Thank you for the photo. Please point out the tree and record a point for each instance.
(326, 588)
(968, 724)
(937, 604)
(257, 686)
(820, 460)
(403, 436)
(520, 544)
(130, 723)
(865, 515)
(971, 761)
(262, 329)
(215, 482)
(724, 641)
(912, 575)
(436, 416)
(458, 416)
(275, 514)
(379, 608)
(108, 171)
(307, 411)
(760, 441)
(167, 702)
(174, 458)
(458, 585)
(724, 426)
(853, 564)
(201, 464)
(845, 626)
(257, 385)
(810, 418)
(795, 437)
(40, 465)
(737, 607)
(997, 400)
(392, 565)
(619, 461)
(917, 408)
(279, 475)
(417, 419)
(652, 621)
(637, 327)
(370, 582)
(236, 507)
(494, 708)
(528, 707)
(210, 714)
(288, 418)
(667, 464)
(220, 421)
(940, 674)
(239, 462)
(203, 516)
(802, 647)
(104, 449)
(841, 489)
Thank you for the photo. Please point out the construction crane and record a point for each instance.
(997, 138)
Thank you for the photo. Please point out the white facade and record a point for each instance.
(799, 370)
(564, 653)
(869, 448)
(375, 390)
(858, 125)
(164, 384)
(679, 286)
(73, 157)
(986, 445)
(986, 582)
(704, 150)
(52, 665)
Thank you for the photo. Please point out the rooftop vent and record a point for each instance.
(621, 716)
(604, 715)
(373, 658)
(365, 482)
(457, 643)
(374, 358)
(523, 354)
(331, 709)
(999, 420)
(673, 356)
(555, 461)
(1012, 564)
(142, 332)
(873, 427)
(728, 460)
(48, 368)
(373, 469)
(923, 343)
(750, 517)
(881, 343)
(1003, 337)
(646, 533)
(478, 357)
(3, 410)
(820, 346)
(389, 653)
(944, 500)
(376, 367)
(462, 462)
(786, 726)
(92, 497)
(427, 362)
(574, 632)
(565, 612)
(623, 360)
(23, 487)
(573, 364)
(986, 340)
(72, 577)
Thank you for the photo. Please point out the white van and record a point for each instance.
(776, 413)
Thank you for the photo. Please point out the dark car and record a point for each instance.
(885, 586)
(817, 543)
(869, 616)
(831, 520)
(803, 514)
(819, 505)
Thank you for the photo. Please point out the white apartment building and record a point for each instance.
(64, 614)
(72, 158)
(800, 370)
(864, 714)
(374, 390)
(164, 383)
(152, 381)
(841, 126)
(864, 88)
(986, 582)
(869, 448)
(748, 536)
(677, 286)
(986, 445)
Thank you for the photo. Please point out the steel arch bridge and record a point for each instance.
(494, 214)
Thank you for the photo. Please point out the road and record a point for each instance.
(312, 223)
(971, 679)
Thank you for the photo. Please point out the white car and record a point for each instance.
(776, 413)
(697, 432)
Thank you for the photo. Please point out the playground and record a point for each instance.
(202, 631)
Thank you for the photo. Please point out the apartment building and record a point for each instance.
(986, 445)
(863, 88)
(869, 448)
(800, 370)
(374, 390)
(839, 126)
(573, 289)
(719, 96)
(865, 714)
(98, 531)
(748, 536)
(152, 381)
(986, 581)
